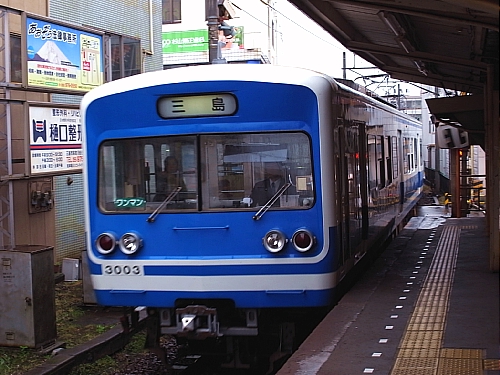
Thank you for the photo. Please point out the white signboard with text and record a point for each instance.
(55, 140)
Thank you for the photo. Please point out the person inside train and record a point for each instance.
(264, 190)
(169, 179)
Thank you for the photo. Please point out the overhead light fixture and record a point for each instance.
(421, 67)
(405, 44)
(392, 23)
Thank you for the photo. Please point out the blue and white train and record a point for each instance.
(191, 241)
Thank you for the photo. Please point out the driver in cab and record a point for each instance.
(264, 190)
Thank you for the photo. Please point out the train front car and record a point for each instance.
(203, 195)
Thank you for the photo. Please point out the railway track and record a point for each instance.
(107, 343)
(116, 339)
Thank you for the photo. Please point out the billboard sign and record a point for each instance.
(193, 40)
(55, 140)
(185, 41)
(63, 58)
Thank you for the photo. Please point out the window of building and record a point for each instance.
(171, 11)
(432, 127)
(125, 57)
(16, 74)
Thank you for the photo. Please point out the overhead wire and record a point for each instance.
(310, 32)
(289, 19)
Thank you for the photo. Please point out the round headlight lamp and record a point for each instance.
(303, 240)
(105, 243)
(130, 243)
(274, 241)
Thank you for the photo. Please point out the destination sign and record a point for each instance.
(197, 105)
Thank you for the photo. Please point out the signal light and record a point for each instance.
(105, 243)
(303, 240)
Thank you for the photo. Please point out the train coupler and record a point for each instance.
(195, 322)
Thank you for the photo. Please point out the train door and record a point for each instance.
(349, 175)
(402, 171)
(363, 179)
(341, 201)
(352, 176)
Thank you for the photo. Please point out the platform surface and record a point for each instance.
(428, 306)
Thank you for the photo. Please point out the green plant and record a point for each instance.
(100, 329)
(16, 361)
(109, 365)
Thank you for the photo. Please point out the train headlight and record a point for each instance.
(274, 241)
(105, 243)
(303, 240)
(130, 243)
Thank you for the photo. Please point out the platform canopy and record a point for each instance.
(446, 43)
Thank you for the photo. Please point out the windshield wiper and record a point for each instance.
(171, 196)
(271, 201)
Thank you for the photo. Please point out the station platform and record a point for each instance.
(429, 305)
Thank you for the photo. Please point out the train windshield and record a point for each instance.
(206, 173)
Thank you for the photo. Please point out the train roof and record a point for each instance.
(203, 73)
(232, 72)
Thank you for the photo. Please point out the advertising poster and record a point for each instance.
(55, 140)
(64, 58)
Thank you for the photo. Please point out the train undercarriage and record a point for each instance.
(257, 340)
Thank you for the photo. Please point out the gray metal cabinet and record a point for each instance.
(27, 297)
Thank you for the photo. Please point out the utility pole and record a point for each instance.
(344, 66)
(212, 15)
(437, 156)
(398, 98)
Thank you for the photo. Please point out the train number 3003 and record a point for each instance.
(120, 270)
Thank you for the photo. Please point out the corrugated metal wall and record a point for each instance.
(129, 18)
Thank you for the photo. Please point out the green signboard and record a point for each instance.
(193, 40)
(185, 41)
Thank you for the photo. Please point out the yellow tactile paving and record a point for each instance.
(461, 353)
(434, 318)
(417, 363)
(459, 366)
(412, 338)
(420, 350)
(419, 353)
(491, 364)
(424, 326)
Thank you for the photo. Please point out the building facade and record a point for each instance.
(53, 52)
(247, 32)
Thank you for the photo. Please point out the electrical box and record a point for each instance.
(71, 269)
(27, 297)
(40, 195)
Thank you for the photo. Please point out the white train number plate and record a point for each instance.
(122, 270)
